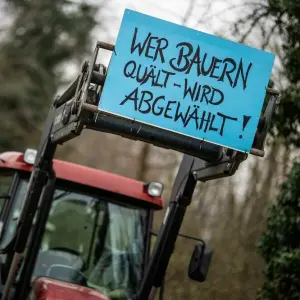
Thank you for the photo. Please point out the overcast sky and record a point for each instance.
(210, 16)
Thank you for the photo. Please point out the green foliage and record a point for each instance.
(280, 20)
(52, 31)
(43, 37)
(280, 244)
(286, 14)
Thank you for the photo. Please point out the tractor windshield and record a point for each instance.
(90, 240)
(108, 238)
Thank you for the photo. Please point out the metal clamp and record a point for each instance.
(264, 124)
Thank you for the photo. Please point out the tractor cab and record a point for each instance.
(91, 234)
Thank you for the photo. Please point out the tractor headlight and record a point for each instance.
(154, 189)
(29, 156)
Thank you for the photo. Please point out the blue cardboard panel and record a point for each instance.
(186, 81)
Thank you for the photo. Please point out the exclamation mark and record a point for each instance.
(245, 122)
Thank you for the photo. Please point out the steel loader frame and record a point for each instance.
(76, 109)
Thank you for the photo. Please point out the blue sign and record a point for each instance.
(186, 81)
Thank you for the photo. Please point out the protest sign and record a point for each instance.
(189, 82)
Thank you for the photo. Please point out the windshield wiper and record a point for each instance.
(62, 194)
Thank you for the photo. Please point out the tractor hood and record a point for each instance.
(52, 289)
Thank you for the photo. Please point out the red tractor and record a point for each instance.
(71, 232)
(93, 230)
